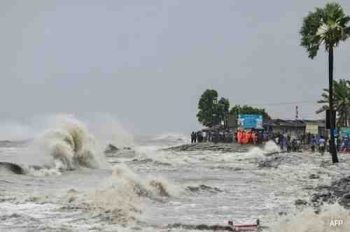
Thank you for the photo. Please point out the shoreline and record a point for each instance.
(210, 146)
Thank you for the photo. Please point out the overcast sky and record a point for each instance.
(146, 62)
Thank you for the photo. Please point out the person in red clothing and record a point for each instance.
(245, 138)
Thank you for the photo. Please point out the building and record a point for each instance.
(296, 127)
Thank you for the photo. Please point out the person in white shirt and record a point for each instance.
(322, 145)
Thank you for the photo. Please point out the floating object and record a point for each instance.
(245, 227)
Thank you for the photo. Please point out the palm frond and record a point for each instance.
(326, 26)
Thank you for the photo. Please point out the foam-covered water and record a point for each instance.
(71, 185)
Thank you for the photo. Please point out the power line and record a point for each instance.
(284, 103)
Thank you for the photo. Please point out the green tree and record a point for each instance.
(237, 109)
(211, 111)
(341, 102)
(327, 26)
(207, 108)
(223, 109)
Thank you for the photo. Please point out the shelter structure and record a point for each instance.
(296, 127)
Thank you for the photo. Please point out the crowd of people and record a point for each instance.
(311, 142)
(250, 136)
(343, 144)
(285, 142)
(229, 136)
(224, 136)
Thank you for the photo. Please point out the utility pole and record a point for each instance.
(296, 120)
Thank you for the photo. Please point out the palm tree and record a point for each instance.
(327, 26)
(341, 102)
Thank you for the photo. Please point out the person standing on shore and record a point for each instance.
(192, 137)
(322, 145)
(313, 143)
(281, 141)
(239, 136)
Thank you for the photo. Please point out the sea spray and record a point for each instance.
(144, 186)
(271, 146)
(67, 145)
(107, 130)
(171, 139)
(119, 197)
(260, 153)
(116, 203)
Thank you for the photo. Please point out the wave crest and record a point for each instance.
(146, 187)
(67, 146)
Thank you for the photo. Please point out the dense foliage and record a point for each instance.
(237, 109)
(326, 26)
(212, 112)
(207, 108)
(341, 98)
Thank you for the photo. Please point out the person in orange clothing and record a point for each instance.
(249, 136)
(239, 136)
(245, 138)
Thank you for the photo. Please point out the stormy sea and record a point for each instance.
(74, 176)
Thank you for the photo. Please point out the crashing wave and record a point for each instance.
(329, 218)
(152, 188)
(67, 146)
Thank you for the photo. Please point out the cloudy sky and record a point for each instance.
(146, 62)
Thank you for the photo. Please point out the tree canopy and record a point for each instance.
(341, 97)
(326, 26)
(207, 107)
(237, 109)
(212, 112)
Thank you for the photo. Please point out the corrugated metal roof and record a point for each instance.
(292, 123)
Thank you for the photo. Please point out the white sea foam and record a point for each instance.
(271, 146)
(330, 218)
(121, 194)
(67, 145)
(119, 201)
(143, 186)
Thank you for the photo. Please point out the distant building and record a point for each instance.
(296, 127)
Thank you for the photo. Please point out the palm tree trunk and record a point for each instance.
(332, 147)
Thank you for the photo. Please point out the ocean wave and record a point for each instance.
(329, 218)
(204, 188)
(149, 160)
(119, 198)
(145, 187)
(11, 168)
(67, 145)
